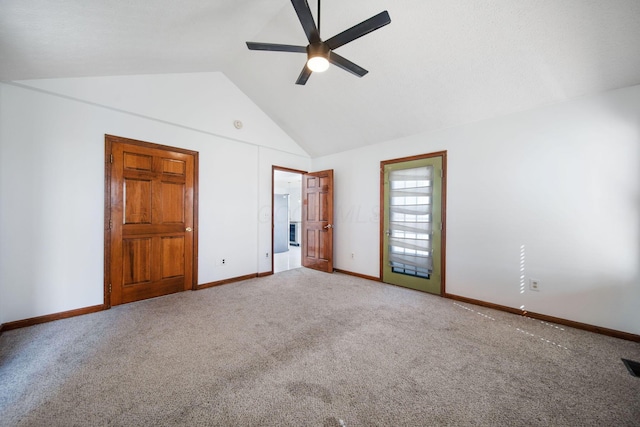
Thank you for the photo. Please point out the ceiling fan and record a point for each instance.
(321, 53)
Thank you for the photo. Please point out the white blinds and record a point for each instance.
(410, 225)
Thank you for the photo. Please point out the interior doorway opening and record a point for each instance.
(287, 219)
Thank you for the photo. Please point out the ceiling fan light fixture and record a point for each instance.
(318, 64)
(318, 57)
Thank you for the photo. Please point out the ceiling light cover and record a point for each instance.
(318, 64)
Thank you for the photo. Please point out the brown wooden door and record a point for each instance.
(151, 217)
(317, 220)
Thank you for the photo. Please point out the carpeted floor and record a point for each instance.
(303, 348)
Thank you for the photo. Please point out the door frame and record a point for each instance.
(443, 242)
(108, 141)
(273, 186)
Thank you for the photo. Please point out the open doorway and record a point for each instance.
(287, 219)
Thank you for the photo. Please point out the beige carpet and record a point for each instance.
(303, 348)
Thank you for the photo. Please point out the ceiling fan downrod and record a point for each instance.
(319, 19)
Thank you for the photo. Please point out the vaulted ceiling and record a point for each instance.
(440, 63)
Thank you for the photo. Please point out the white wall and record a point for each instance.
(206, 102)
(52, 180)
(559, 185)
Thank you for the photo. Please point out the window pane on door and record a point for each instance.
(410, 209)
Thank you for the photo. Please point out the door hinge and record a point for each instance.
(109, 287)
(111, 158)
(110, 224)
(441, 173)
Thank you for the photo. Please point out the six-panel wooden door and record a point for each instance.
(317, 220)
(151, 220)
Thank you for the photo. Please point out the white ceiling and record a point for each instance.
(438, 64)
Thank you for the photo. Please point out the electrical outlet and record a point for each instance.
(266, 254)
(534, 284)
(223, 262)
(353, 256)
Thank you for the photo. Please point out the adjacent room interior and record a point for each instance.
(287, 220)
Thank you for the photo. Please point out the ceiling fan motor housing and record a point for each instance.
(318, 49)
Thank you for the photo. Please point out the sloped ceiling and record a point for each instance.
(438, 64)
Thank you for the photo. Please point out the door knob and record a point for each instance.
(188, 229)
(328, 226)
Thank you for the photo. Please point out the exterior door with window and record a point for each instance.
(413, 222)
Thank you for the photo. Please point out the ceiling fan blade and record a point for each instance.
(359, 30)
(276, 47)
(304, 75)
(346, 65)
(306, 19)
